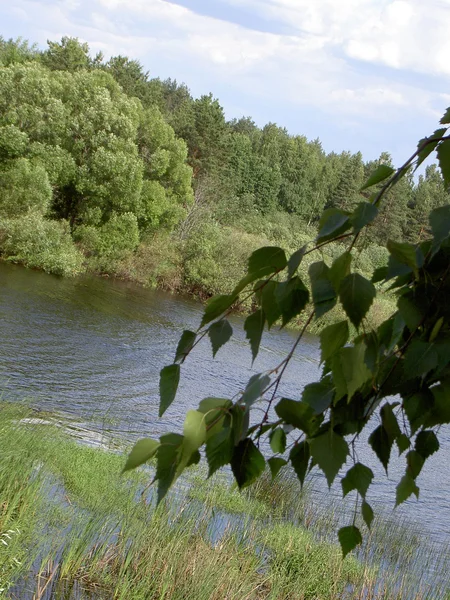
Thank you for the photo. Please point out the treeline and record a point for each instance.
(104, 167)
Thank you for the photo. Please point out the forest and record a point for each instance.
(108, 170)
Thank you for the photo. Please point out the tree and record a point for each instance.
(407, 356)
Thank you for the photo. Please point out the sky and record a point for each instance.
(368, 75)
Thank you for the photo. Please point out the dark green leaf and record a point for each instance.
(427, 146)
(269, 303)
(405, 253)
(267, 260)
(299, 458)
(275, 464)
(367, 513)
(295, 260)
(445, 119)
(356, 294)
(239, 415)
(354, 368)
(216, 306)
(410, 312)
(319, 395)
(440, 412)
(333, 222)
(332, 338)
(142, 451)
(340, 269)
(247, 463)
(168, 459)
(380, 274)
(185, 345)
(381, 445)
(219, 449)
(169, 378)
(420, 358)
(219, 334)
(381, 173)
(297, 413)
(324, 296)
(255, 387)
(359, 478)
(278, 440)
(405, 488)
(363, 214)
(443, 154)
(292, 296)
(440, 223)
(426, 443)
(417, 407)
(349, 538)
(389, 422)
(329, 451)
(254, 327)
(403, 443)
(414, 463)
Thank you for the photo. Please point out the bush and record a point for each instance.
(24, 186)
(42, 244)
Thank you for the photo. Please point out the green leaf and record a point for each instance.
(364, 213)
(333, 222)
(292, 296)
(278, 440)
(445, 119)
(269, 303)
(420, 358)
(381, 445)
(324, 296)
(194, 431)
(359, 478)
(440, 412)
(329, 451)
(142, 451)
(267, 260)
(254, 327)
(405, 488)
(299, 457)
(319, 395)
(240, 417)
(426, 443)
(381, 173)
(219, 449)
(417, 407)
(215, 411)
(389, 422)
(440, 223)
(297, 413)
(349, 538)
(340, 269)
(332, 338)
(414, 463)
(356, 294)
(380, 274)
(168, 459)
(403, 443)
(410, 312)
(169, 379)
(367, 513)
(219, 334)
(275, 464)
(185, 344)
(354, 368)
(247, 463)
(443, 154)
(295, 260)
(436, 329)
(216, 306)
(427, 149)
(406, 254)
(255, 388)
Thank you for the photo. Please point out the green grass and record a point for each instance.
(86, 525)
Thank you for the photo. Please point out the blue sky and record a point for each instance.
(367, 75)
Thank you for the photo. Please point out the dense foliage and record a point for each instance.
(393, 380)
(149, 183)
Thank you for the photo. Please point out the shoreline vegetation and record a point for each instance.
(107, 170)
(72, 526)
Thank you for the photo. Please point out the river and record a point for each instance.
(91, 350)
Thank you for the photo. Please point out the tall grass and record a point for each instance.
(87, 532)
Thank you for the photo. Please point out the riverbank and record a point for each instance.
(71, 524)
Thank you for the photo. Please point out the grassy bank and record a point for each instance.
(72, 524)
